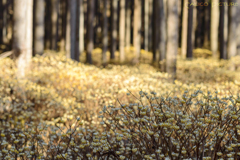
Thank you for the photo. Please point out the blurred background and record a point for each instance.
(100, 32)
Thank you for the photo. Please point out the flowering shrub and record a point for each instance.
(67, 110)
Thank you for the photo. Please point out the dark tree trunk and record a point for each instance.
(162, 43)
(184, 30)
(39, 27)
(90, 32)
(207, 11)
(113, 29)
(223, 29)
(146, 24)
(122, 31)
(190, 31)
(105, 34)
(128, 23)
(156, 12)
(54, 21)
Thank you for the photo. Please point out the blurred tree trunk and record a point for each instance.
(71, 31)
(137, 30)
(81, 27)
(113, 29)
(150, 25)
(194, 22)
(39, 27)
(200, 25)
(232, 45)
(207, 10)
(48, 26)
(90, 37)
(214, 27)
(190, 31)
(64, 9)
(4, 22)
(146, 24)
(223, 29)
(156, 29)
(238, 28)
(162, 43)
(54, 20)
(122, 31)
(172, 37)
(22, 37)
(128, 23)
(184, 29)
(105, 33)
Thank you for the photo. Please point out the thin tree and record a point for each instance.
(190, 31)
(207, 24)
(150, 24)
(223, 29)
(113, 28)
(90, 34)
(105, 33)
(146, 24)
(128, 23)
(122, 31)
(137, 30)
(238, 28)
(22, 37)
(39, 27)
(71, 29)
(232, 45)
(156, 30)
(4, 22)
(184, 29)
(162, 42)
(81, 27)
(214, 27)
(54, 23)
(172, 37)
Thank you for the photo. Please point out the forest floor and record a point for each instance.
(59, 90)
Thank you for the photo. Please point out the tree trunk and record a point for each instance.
(214, 27)
(162, 43)
(81, 27)
(22, 37)
(90, 37)
(223, 29)
(190, 31)
(48, 25)
(122, 31)
(4, 22)
(232, 45)
(150, 26)
(146, 24)
(54, 20)
(71, 31)
(238, 28)
(156, 30)
(206, 24)
(113, 29)
(39, 27)
(137, 30)
(172, 37)
(105, 34)
(200, 25)
(128, 23)
(194, 23)
(184, 29)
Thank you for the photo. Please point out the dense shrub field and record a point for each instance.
(68, 110)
